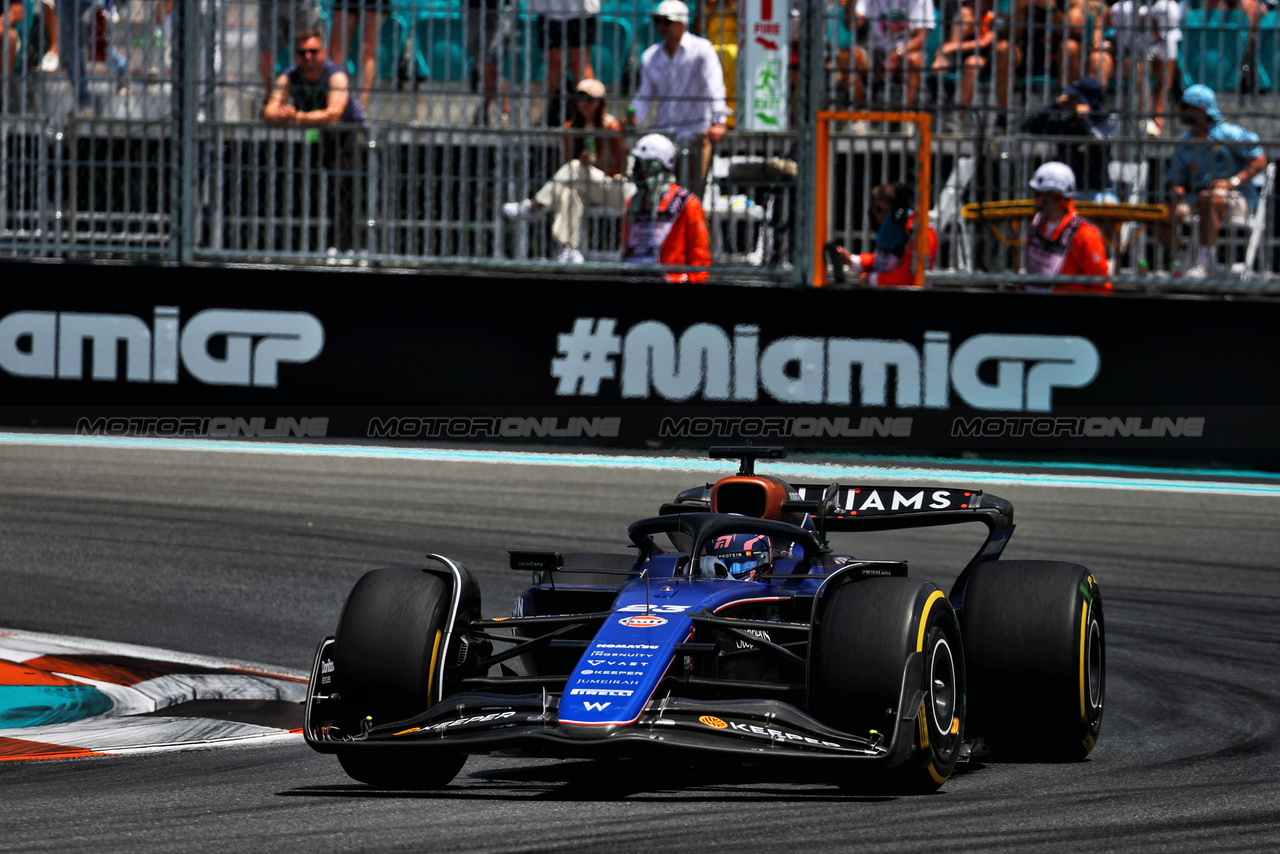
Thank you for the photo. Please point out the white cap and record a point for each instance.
(673, 10)
(655, 146)
(1054, 177)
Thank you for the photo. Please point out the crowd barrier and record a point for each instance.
(166, 156)
(304, 355)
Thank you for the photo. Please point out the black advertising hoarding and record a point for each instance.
(255, 353)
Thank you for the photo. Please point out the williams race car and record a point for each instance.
(732, 632)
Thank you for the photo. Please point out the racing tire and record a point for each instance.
(1036, 644)
(386, 653)
(868, 630)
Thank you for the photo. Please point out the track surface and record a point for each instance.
(250, 557)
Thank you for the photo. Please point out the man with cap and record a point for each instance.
(1063, 243)
(1078, 111)
(682, 91)
(1221, 175)
(664, 223)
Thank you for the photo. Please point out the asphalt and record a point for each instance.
(250, 557)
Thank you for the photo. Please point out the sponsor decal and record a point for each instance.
(755, 633)
(477, 719)
(596, 707)
(712, 721)
(656, 609)
(1097, 427)
(779, 735)
(207, 428)
(605, 692)
(645, 621)
(709, 363)
(252, 344)
(507, 427)
(864, 499)
(628, 646)
(590, 672)
(326, 666)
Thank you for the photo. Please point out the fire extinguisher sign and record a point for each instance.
(764, 45)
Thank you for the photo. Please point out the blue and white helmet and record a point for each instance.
(736, 556)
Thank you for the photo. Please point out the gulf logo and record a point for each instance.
(643, 621)
(713, 722)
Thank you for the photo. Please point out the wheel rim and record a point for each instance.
(1093, 672)
(942, 686)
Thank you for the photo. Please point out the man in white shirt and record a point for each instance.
(682, 92)
(898, 30)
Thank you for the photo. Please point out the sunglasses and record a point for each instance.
(309, 51)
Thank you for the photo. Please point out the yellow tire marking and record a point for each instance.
(955, 725)
(1084, 616)
(431, 674)
(937, 778)
(924, 619)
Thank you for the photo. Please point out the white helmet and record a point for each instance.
(1054, 177)
(655, 146)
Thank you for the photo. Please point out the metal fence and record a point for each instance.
(145, 137)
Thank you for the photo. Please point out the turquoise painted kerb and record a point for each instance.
(41, 705)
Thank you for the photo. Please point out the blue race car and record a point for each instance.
(732, 633)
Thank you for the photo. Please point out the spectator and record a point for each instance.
(489, 38)
(898, 30)
(1078, 111)
(1040, 33)
(1145, 41)
(73, 42)
(1220, 175)
(968, 50)
(316, 93)
(279, 22)
(10, 40)
(851, 62)
(664, 223)
(1061, 242)
(368, 16)
(592, 175)
(681, 90)
(719, 25)
(892, 264)
(561, 24)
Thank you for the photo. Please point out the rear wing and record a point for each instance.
(882, 508)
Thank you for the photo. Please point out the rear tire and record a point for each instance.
(867, 632)
(1036, 644)
(387, 650)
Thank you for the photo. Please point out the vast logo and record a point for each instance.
(217, 346)
(988, 371)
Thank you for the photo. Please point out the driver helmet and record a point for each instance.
(736, 556)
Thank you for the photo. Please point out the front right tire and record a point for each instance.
(868, 630)
(386, 653)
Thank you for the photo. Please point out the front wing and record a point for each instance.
(750, 729)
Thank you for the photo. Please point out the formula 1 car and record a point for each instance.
(733, 632)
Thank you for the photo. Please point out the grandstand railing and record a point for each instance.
(167, 156)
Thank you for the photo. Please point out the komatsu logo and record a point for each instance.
(988, 371)
(217, 346)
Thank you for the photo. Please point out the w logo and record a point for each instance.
(596, 707)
